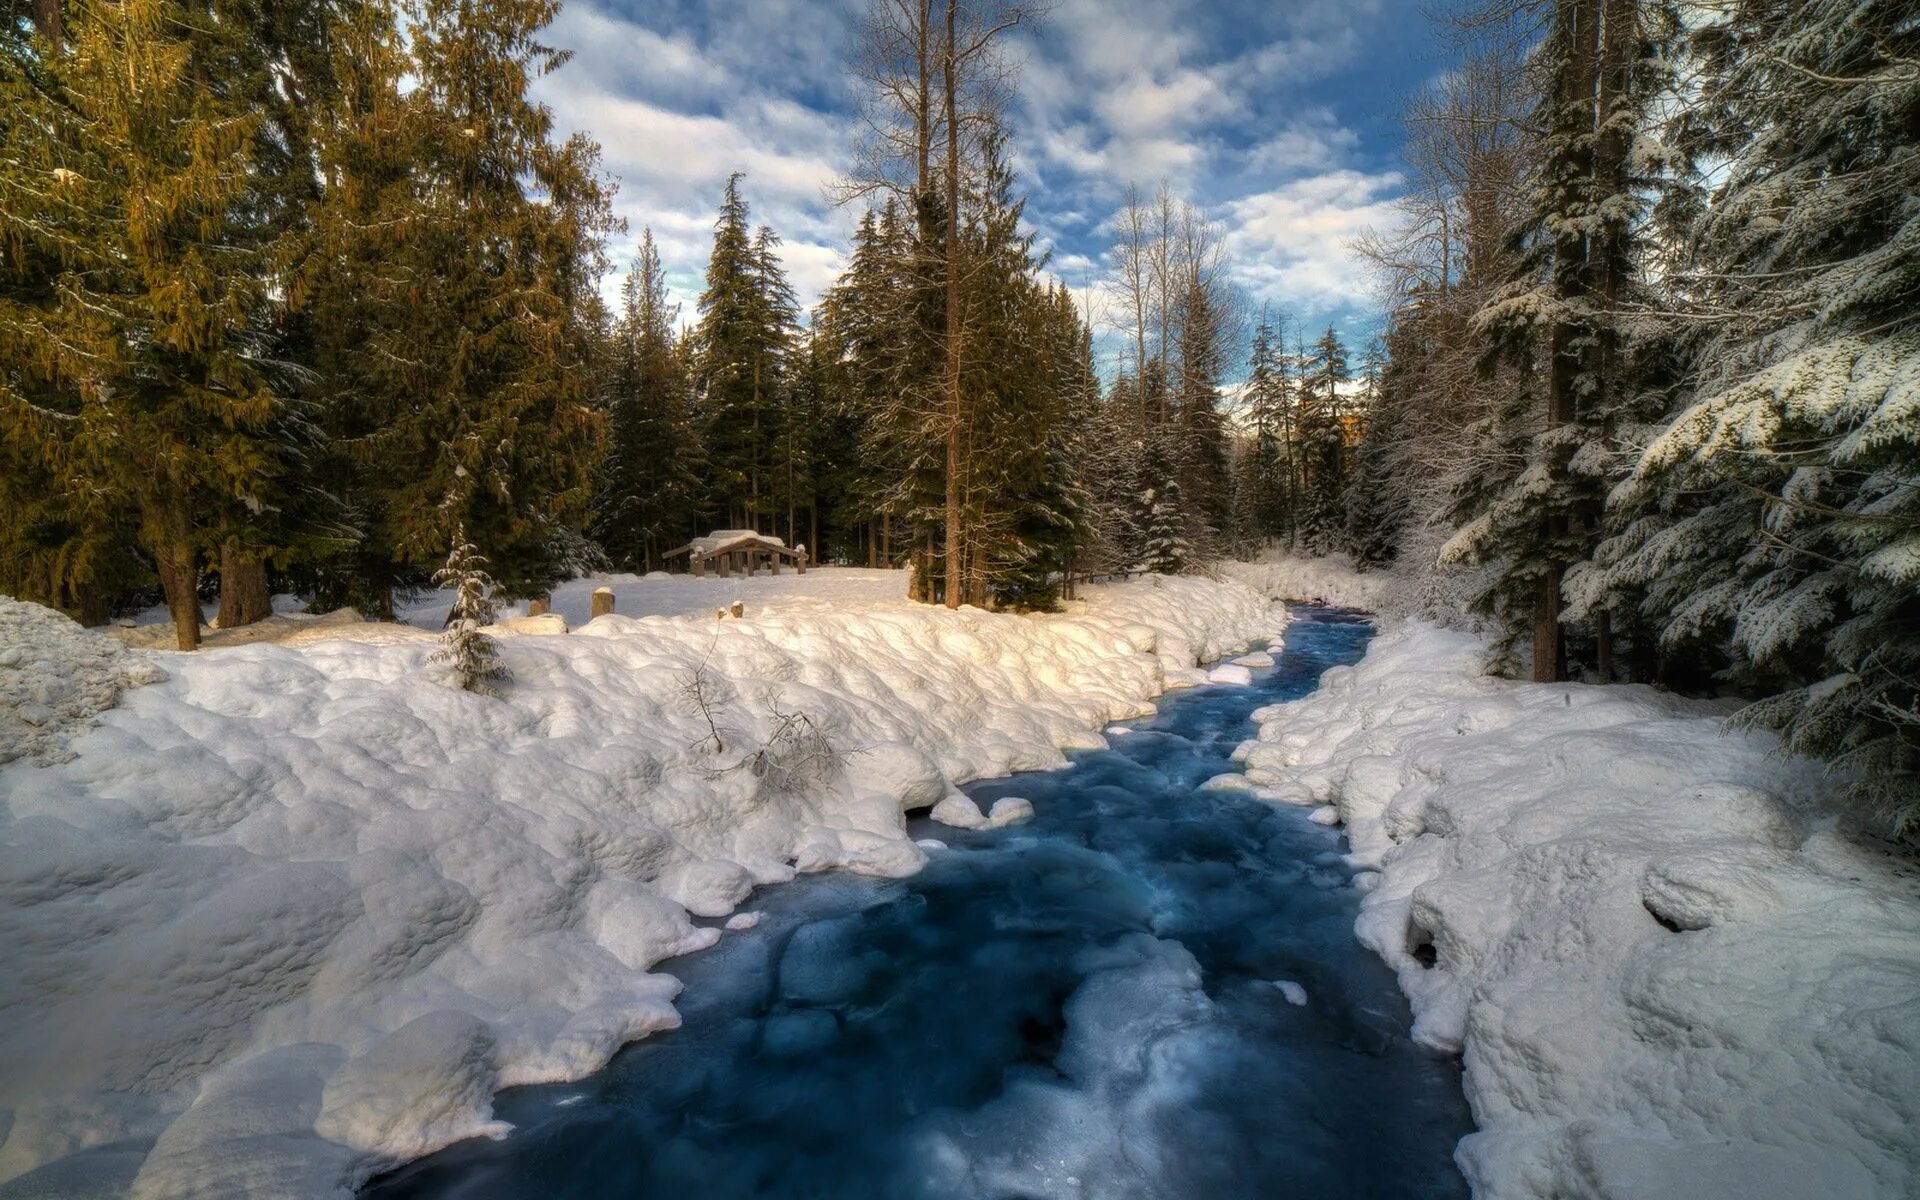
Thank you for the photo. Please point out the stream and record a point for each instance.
(1150, 990)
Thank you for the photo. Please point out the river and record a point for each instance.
(1150, 990)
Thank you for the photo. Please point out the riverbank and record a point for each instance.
(297, 912)
(1669, 972)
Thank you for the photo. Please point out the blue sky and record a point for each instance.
(1277, 118)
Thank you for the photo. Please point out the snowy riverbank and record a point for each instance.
(296, 912)
(1668, 972)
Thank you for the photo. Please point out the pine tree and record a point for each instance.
(741, 350)
(1373, 519)
(468, 650)
(1268, 470)
(142, 294)
(1776, 515)
(457, 307)
(1604, 65)
(1322, 434)
(647, 487)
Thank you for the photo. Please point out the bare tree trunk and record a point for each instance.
(956, 550)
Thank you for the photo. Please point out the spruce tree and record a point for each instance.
(1776, 515)
(457, 311)
(647, 488)
(140, 309)
(466, 648)
(1322, 432)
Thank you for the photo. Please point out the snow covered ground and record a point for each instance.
(296, 911)
(1669, 972)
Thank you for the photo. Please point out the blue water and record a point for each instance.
(1083, 1006)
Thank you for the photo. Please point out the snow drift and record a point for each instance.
(1669, 974)
(294, 913)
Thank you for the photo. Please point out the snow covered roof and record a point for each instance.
(730, 539)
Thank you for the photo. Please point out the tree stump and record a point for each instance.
(538, 606)
(602, 602)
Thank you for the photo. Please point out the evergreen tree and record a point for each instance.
(458, 313)
(741, 350)
(467, 649)
(1604, 63)
(1775, 516)
(1373, 519)
(1268, 490)
(647, 487)
(1322, 434)
(139, 289)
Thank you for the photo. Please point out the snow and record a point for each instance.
(1321, 581)
(1669, 971)
(1292, 992)
(296, 912)
(1231, 674)
(55, 677)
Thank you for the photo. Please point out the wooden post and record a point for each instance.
(737, 608)
(602, 602)
(538, 606)
(698, 562)
(800, 561)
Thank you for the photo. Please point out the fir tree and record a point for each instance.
(1322, 431)
(647, 487)
(468, 650)
(1774, 517)
(143, 290)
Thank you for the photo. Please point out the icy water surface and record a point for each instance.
(1085, 1006)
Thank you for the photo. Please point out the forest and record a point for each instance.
(306, 296)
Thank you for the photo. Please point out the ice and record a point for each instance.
(743, 921)
(1294, 993)
(1669, 971)
(295, 893)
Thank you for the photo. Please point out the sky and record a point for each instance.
(1275, 116)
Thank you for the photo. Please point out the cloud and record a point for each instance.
(1289, 245)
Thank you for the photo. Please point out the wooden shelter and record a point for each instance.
(738, 551)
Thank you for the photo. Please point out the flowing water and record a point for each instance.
(1088, 1005)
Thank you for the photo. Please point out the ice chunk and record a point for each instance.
(1009, 810)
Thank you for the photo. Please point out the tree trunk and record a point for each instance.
(244, 596)
(47, 20)
(956, 547)
(1546, 630)
(179, 579)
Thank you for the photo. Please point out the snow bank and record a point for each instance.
(1320, 580)
(55, 677)
(296, 913)
(1668, 972)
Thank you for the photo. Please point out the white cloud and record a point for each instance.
(1289, 245)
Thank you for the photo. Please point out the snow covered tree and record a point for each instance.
(466, 647)
(1777, 513)
(1603, 64)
